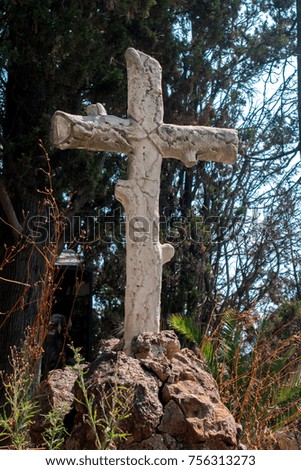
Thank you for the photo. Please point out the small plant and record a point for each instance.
(19, 410)
(55, 433)
(114, 407)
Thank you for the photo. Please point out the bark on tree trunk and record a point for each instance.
(20, 292)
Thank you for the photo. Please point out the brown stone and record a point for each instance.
(151, 345)
(155, 350)
(206, 417)
(111, 344)
(173, 421)
(55, 392)
(289, 438)
(155, 442)
(186, 366)
(117, 369)
(160, 368)
(175, 403)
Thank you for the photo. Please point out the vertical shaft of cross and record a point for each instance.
(145, 255)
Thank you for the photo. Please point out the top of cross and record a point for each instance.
(145, 102)
(98, 131)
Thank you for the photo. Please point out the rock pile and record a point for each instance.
(175, 402)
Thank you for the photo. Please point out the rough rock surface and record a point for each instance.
(289, 438)
(175, 405)
(55, 392)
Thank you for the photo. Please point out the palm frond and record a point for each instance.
(187, 327)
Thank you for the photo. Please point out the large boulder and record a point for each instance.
(175, 403)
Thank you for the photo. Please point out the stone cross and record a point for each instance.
(146, 140)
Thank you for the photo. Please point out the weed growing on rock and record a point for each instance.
(104, 414)
(55, 433)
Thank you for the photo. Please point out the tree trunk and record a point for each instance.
(25, 105)
(22, 279)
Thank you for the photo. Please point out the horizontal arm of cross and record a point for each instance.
(192, 143)
(99, 132)
(109, 133)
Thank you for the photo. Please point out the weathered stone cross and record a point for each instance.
(146, 140)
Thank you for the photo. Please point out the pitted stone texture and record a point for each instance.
(155, 350)
(112, 344)
(156, 442)
(146, 140)
(187, 366)
(149, 345)
(173, 421)
(201, 407)
(55, 392)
